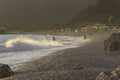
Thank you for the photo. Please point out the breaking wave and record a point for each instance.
(15, 49)
(26, 43)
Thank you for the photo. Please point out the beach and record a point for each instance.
(81, 63)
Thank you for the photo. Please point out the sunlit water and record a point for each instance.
(16, 49)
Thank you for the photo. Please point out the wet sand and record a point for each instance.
(81, 63)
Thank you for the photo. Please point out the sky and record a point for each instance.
(37, 12)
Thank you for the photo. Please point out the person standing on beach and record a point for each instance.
(54, 39)
(85, 36)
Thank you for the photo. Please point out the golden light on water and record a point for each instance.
(11, 42)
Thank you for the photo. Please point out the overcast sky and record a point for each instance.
(23, 12)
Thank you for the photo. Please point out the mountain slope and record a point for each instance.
(105, 12)
(36, 12)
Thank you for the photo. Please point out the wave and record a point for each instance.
(23, 43)
(22, 48)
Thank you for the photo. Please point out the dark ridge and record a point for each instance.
(103, 12)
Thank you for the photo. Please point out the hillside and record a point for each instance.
(105, 12)
(37, 12)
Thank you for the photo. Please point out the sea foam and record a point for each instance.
(25, 48)
(26, 40)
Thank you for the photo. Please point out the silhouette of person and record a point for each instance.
(85, 36)
(54, 38)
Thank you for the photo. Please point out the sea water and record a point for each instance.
(15, 49)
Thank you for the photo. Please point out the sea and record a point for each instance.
(19, 48)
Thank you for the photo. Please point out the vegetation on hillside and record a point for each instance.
(104, 12)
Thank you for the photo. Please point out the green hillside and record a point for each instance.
(104, 12)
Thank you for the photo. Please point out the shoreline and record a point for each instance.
(81, 63)
(19, 66)
(40, 52)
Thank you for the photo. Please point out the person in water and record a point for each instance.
(54, 39)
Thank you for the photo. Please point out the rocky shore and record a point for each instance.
(83, 63)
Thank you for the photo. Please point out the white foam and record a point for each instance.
(19, 57)
(36, 48)
(26, 40)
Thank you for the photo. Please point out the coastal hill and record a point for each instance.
(38, 12)
(103, 12)
(35, 15)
